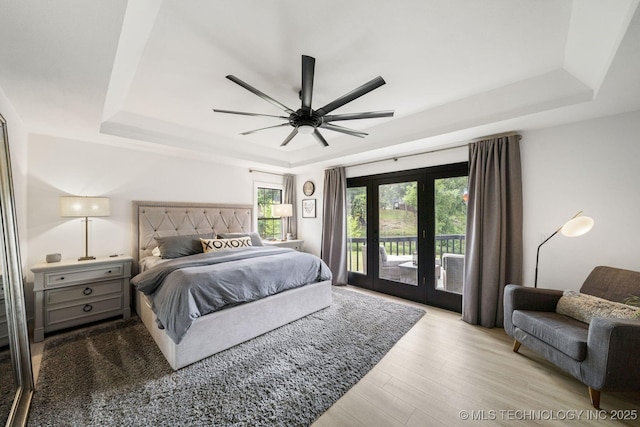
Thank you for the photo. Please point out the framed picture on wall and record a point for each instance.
(308, 208)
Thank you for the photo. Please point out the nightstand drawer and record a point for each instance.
(72, 276)
(82, 310)
(62, 295)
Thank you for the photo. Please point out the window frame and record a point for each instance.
(256, 188)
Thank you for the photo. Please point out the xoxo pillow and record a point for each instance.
(215, 245)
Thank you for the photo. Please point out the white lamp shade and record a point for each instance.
(72, 206)
(282, 210)
(577, 226)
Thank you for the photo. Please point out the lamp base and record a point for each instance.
(86, 258)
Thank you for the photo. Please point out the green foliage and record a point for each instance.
(268, 226)
(357, 211)
(451, 211)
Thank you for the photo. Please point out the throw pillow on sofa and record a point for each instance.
(584, 307)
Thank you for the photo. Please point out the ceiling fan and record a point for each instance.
(306, 120)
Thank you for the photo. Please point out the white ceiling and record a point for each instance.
(146, 73)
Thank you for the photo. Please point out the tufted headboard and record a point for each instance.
(159, 219)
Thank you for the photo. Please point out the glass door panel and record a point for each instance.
(357, 229)
(398, 232)
(450, 228)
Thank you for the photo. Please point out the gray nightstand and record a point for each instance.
(293, 244)
(71, 292)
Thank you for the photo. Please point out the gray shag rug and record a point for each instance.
(114, 375)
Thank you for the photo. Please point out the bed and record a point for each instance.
(219, 330)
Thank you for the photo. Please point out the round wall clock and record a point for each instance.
(308, 188)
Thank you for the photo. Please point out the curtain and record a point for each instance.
(334, 224)
(494, 229)
(289, 197)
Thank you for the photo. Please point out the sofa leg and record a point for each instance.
(516, 346)
(594, 395)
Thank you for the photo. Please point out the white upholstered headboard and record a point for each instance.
(159, 219)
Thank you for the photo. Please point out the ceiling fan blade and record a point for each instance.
(260, 94)
(308, 67)
(293, 133)
(319, 138)
(342, 129)
(242, 113)
(353, 116)
(356, 93)
(268, 127)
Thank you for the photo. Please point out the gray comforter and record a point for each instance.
(186, 288)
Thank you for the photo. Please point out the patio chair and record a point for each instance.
(388, 264)
(453, 272)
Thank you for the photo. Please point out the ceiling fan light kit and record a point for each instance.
(307, 121)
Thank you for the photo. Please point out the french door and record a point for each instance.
(406, 234)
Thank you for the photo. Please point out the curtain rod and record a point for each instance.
(271, 173)
(435, 150)
(396, 158)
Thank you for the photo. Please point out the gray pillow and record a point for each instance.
(179, 246)
(255, 237)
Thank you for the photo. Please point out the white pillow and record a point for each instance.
(215, 245)
(156, 251)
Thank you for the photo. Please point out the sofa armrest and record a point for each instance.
(613, 348)
(518, 297)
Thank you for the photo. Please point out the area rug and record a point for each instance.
(114, 375)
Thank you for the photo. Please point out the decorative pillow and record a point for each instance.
(156, 251)
(179, 246)
(215, 245)
(584, 307)
(255, 237)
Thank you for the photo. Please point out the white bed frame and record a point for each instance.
(223, 329)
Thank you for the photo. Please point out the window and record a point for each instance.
(267, 195)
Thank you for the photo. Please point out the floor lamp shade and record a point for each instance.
(84, 207)
(576, 226)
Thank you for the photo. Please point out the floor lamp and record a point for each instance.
(576, 226)
(72, 206)
(284, 210)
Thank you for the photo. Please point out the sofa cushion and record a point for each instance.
(585, 307)
(561, 332)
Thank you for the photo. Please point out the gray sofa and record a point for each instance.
(604, 354)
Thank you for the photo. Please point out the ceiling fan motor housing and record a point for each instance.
(304, 118)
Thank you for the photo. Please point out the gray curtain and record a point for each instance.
(494, 229)
(334, 224)
(289, 197)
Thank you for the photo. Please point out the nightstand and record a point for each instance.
(293, 244)
(70, 292)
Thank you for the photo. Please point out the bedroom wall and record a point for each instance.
(58, 167)
(586, 166)
(590, 166)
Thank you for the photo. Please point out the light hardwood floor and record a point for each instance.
(444, 366)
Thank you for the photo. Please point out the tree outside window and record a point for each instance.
(269, 227)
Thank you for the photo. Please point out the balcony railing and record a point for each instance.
(402, 245)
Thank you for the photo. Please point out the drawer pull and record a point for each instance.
(109, 272)
(87, 291)
(87, 308)
(61, 277)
